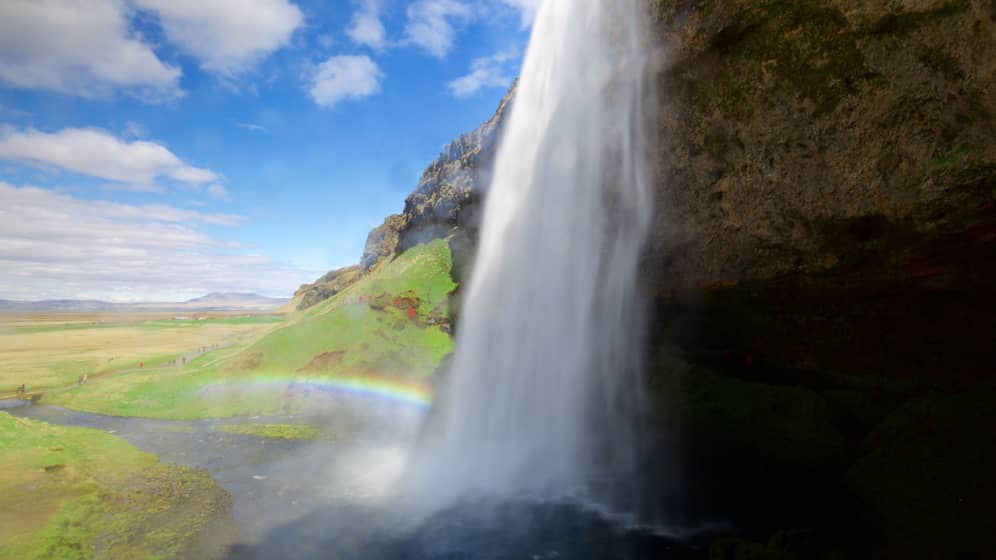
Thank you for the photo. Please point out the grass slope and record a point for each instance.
(82, 493)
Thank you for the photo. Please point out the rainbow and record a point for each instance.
(394, 389)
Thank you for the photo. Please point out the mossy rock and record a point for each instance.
(930, 470)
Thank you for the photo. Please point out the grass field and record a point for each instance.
(46, 351)
(275, 431)
(341, 336)
(81, 493)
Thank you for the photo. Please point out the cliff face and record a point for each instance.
(839, 152)
(451, 189)
(823, 264)
(801, 132)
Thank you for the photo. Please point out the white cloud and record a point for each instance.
(366, 27)
(527, 9)
(80, 47)
(227, 36)
(218, 192)
(134, 130)
(53, 245)
(98, 153)
(488, 71)
(133, 187)
(430, 24)
(344, 77)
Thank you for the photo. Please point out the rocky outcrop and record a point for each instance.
(382, 242)
(325, 287)
(451, 188)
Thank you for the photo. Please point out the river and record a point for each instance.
(330, 498)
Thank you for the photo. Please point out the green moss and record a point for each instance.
(790, 423)
(276, 431)
(784, 545)
(809, 48)
(952, 158)
(83, 493)
(928, 468)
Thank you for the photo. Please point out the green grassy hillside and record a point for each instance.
(341, 336)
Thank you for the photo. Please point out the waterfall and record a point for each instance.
(545, 378)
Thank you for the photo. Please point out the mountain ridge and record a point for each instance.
(215, 301)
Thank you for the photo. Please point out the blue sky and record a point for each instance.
(161, 149)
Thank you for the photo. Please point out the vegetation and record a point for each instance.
(53, 351)
(340, 336)
(276, 431)
(82, 493)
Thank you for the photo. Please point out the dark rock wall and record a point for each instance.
(824, 271)
(836, 158)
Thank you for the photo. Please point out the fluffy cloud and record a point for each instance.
(431, 24)
(218, 192)
(488, 71)
(344, 77)
(98, 153)
(366, 27)
(81, 47)
(227, 36)
(53, 245)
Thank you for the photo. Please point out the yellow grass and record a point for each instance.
(46, 351)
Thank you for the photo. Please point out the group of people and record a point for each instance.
(22, 388)
(183, 359)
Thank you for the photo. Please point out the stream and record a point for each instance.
(328, 498)
(267, 490)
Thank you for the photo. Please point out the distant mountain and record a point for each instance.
(236, 298)
(211, 302)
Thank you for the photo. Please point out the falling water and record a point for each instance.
(545, 375)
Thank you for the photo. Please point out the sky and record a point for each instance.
(158, 150)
